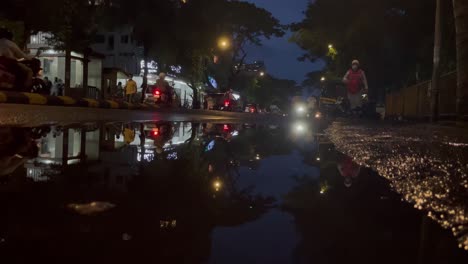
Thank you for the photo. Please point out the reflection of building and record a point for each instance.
(117, 168)
(61, 147)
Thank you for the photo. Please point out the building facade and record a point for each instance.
(120, 49)
(53, 64)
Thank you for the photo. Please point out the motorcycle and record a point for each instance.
(162, 98)
(13, 75)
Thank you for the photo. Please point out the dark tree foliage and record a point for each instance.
(393, 39)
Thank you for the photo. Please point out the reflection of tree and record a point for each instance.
(260, 142)
(183, 190)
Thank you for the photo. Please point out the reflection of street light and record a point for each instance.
(217, 185)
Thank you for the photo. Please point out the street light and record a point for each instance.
(323, 79)
(224, 43)
(262, 74)
(330, 46)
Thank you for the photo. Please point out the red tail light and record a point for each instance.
(157, 92)
(252, 110)
(155, 132)
(226, 103)
(226, 127)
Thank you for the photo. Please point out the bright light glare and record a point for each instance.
(300, 128)
(224, 43)
(300, 109)
(217, 185)
(330, 46)
(318, 115)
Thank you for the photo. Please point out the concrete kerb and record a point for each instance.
(66, 101)
(40, 99)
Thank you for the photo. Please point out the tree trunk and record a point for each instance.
(145, 74)
(436, 68)
(66, 88)
(26, 37)
(460, 9)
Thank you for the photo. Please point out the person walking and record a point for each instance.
(55, 87)
(130, 89)
(356, 84)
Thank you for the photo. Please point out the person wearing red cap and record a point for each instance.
(356, 84)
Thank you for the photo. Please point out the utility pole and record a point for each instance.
(435, 84)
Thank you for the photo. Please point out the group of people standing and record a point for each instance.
(55, 88)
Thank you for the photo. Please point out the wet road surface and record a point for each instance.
(179, 192)
(35, 115)
(427, 164)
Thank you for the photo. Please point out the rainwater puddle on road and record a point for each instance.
(173, 192)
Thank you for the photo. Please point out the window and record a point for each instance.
(99, 39)
(124, 39)
(110, 42)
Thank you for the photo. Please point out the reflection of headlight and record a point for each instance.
(300, 128)
(318, 115)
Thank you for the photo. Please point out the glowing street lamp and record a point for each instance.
(323, 79)
(262, 74)
(330, 46)
(224, 43)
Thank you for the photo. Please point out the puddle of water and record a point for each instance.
(202, 193)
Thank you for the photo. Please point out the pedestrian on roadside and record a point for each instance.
(356, 84)
(61, 87)
(55, 87)
(48, 85)
(130, 89)
(120, 90)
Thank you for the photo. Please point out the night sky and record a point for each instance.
(279, 55)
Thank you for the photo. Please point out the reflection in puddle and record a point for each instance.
(91, 208)
(179, 192)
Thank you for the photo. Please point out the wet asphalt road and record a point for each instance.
(426, 164)
(31, 115)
